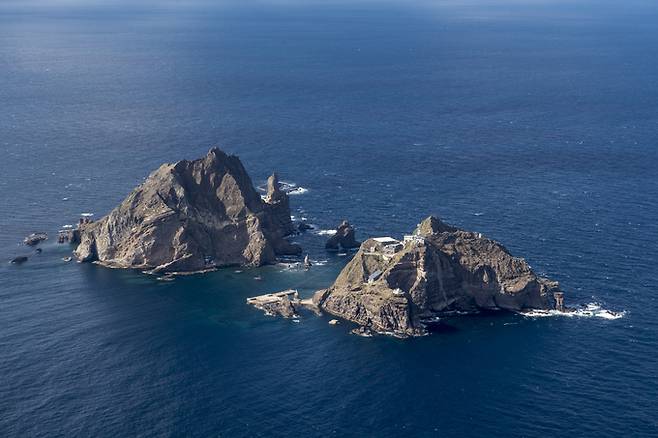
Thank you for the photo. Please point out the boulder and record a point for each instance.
(343, 239)
(35, 239)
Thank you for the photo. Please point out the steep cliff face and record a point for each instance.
(393, 287)
(191, 216)
(279, 205)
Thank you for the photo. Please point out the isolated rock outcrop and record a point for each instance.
(192, 216)
(394, 287)
(35, 239)
(344, 238)
(279, 205)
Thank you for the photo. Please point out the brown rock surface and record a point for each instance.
(439, 269)
(191, 216)
(344, 238)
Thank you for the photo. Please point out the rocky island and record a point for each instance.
(343, 239)
(397, 287)
(192, 216)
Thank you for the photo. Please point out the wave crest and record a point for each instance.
(591, 310)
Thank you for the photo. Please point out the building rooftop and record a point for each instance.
(385, 240)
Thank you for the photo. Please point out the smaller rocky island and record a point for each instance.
(343, 239)
(192, 216)
(397, 287)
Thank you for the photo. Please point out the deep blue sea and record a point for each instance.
(533, 122)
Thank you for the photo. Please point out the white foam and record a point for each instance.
(591, 310)
(297, 191)
(326, 232)
(292, 188)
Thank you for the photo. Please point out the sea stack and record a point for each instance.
(344, 238)
(394, 287)
(192, 216)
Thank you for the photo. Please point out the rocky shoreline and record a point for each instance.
(197, 216)
(394, 287)
(192, 216)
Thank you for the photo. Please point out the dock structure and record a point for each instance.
(385, 247)
(284, 303)
(274, 297)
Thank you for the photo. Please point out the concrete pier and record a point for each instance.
(274, 297)
(284, 303)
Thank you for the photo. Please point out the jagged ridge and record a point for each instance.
(192, 216)
(439, 269)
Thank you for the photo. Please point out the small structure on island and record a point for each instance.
(414, 238)
(559, 301)
(374, 276)
(386, 246)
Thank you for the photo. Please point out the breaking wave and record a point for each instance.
(292, 188)
(288, 187)
(298, 191)
(591, 310)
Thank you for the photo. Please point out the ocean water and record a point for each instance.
(532, 122)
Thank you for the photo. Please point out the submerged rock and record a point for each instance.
(35, 239)
(18, 260)
(391, 287)
(303, 226)
(343, 239)
(192, 216)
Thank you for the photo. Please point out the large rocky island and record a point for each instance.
(192, 216)
(396, 288)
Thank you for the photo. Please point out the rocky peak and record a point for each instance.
(274, 192)
(432, 225)
(191, 216)
(344, 238)
(278, 204)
